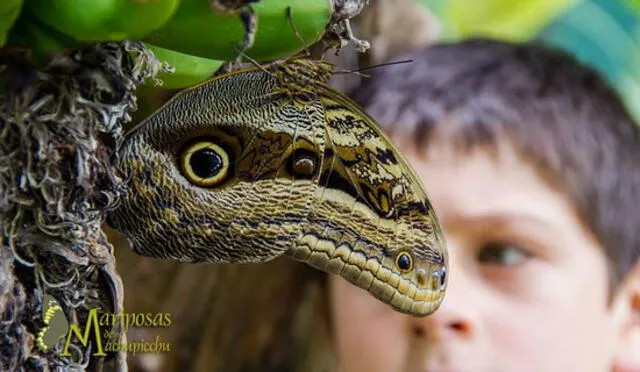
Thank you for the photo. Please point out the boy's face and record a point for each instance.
(528, 288)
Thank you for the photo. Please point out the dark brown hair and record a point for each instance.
(561, 115)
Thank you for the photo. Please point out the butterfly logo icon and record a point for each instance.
(56, 323)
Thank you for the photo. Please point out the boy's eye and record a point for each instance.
(503, 254)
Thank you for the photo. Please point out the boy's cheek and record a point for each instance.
(553, 334)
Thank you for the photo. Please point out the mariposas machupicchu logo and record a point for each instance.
(98, 330)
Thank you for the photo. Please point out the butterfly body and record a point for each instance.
(270, 161)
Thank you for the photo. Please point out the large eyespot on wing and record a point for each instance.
(204, 163)
(184, 182)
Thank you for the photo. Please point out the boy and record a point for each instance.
(533, 166)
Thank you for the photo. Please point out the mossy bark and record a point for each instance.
(60, 123)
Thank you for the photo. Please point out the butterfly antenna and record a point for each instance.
(297, 33)
(359, 71)
(257, 64)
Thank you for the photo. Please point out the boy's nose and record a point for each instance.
(457, 316)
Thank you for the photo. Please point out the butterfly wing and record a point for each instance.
(254, 163)
(210, 173)
(371, 220)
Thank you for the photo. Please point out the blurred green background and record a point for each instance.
(603, 33)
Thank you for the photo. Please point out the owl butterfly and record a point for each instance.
(270, 160)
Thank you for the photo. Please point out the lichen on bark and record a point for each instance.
(60, 127)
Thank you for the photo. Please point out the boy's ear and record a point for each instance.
(626, 307)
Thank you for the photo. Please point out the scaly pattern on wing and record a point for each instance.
(267, 161)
